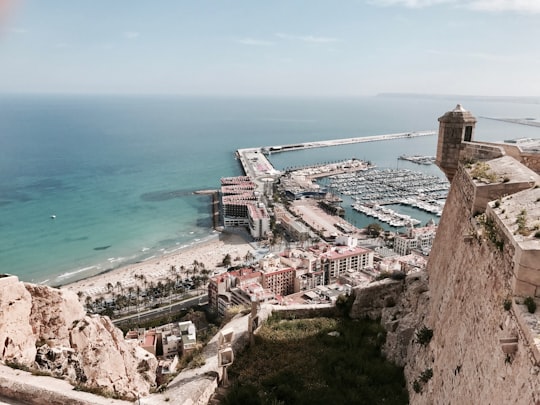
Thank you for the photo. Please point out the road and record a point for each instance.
(168, 308)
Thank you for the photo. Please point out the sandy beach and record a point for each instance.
(210, 253)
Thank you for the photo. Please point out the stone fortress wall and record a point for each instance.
(482, 350)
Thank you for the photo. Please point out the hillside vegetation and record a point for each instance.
(316, 361)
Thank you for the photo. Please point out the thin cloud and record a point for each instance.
(131, 34)
(15, 30)
(469, 55)
(524, 6)
(307, 38)
(410, 3)
(531, 6)
(254, 42)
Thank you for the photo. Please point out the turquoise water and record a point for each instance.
(119, 172)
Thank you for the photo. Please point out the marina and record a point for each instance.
(386, 215)
(373, 189)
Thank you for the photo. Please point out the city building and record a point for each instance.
(222, 286)
(240, 206)
(292, 226)
(168, 340)
(420, 239)
(340, 259)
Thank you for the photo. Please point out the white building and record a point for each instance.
(420, 239)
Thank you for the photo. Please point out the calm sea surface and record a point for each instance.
(119, 172)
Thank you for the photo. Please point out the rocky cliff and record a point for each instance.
(47, 329)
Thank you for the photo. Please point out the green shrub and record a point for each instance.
(417, 387)
(507, 304)
(521, 221)
(344, 369)
(424, 335)
(397, 275)
(530, 304)
(426, 375)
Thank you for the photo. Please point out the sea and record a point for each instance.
(89, 183)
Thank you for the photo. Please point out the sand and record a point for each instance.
(210, 253)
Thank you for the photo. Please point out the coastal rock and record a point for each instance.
(47, 329)
(60, 362)
(17, 342)
(53, 313)
(110, 362)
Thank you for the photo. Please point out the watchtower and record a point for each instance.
(455, 127)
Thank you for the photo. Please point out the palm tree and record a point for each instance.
(144, 280)
(197, 282)
(138, 294)
(160, 289)
(227, 260)
(110, 287)
(119, 286)
(249, 256)
(131, 289)
(196, 267)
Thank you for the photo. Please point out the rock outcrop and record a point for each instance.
(17, 342)
(401, 306)
(47, 329)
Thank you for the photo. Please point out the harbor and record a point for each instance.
(386, 215)
(374, 189)
(371, 190)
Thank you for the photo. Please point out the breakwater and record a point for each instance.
(343, 141)
(255, 165)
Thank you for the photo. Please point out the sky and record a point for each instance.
(271, 47)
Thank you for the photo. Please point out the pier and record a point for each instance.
(343, 141)
(257, 166)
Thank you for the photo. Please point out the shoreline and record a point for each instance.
(71, 276)
(208, 252)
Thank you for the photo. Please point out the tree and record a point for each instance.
(374, 229)
(160, 287)
(138, 294)
(88, 302)
(131, 289)
(227, 260)
(249, 257)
